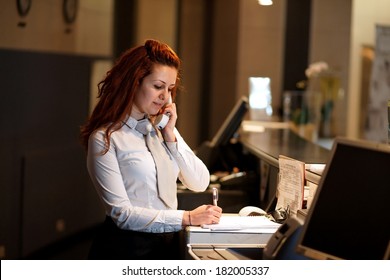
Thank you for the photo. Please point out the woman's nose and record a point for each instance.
(165, 95)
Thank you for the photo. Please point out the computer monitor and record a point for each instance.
(349, 217)
(209, 150)
(231, 123)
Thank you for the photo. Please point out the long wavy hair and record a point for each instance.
(117, 90)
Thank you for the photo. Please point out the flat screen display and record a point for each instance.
(350, 215)
(210, 152)
(231, 123)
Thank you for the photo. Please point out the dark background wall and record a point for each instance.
(45, 192)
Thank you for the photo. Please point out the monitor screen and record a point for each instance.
(349, 217)
(210, 151)
(231, 123)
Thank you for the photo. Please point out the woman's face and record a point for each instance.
(154, 92)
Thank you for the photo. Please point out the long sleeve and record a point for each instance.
(193, 172)
(125, 180)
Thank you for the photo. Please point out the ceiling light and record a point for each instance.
(265, 2)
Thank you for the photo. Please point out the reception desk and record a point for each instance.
(273, 139)
(266, 141)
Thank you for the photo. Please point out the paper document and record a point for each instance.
(315, 168)
(227, 223)
(291, 184)
(312, 191)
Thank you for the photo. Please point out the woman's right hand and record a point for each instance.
(204, 214)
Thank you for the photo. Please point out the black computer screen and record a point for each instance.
(350, 217)
(211, 152)
(231, 123)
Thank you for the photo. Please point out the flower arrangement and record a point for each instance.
(327, 81)
(320, 92)
(316, 68)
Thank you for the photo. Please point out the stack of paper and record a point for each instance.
(226, 223)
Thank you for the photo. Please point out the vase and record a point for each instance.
(328, 86)
(301, 109)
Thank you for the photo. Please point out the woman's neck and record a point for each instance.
(137, 114)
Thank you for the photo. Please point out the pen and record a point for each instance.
(215, 196)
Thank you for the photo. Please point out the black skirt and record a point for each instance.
(113, 243)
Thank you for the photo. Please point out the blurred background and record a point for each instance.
(53, 54)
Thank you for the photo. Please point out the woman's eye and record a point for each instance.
(158, 87)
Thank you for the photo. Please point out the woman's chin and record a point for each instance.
(155, 112)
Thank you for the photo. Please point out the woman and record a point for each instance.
(142, 220)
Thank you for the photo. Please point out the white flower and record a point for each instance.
(316, 68)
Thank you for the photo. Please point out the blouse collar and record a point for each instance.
(132, 122)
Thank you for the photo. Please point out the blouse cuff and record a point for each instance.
(175, 217)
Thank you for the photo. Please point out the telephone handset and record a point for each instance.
(161, 120)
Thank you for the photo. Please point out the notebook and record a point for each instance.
(350, 216)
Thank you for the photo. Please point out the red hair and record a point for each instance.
(118, 89)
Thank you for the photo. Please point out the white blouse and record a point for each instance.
(125, 179)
